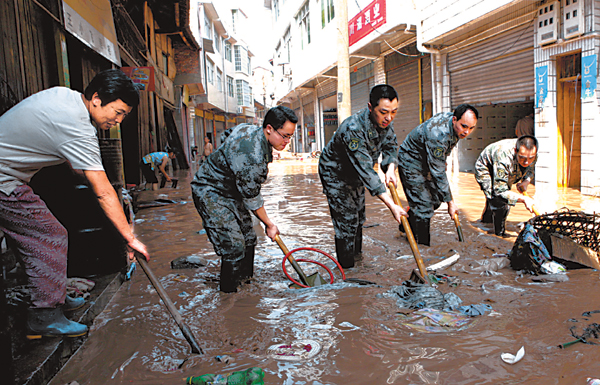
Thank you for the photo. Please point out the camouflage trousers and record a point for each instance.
(421, 193)
(227, 222)
(346, 205)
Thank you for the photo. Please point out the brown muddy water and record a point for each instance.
(363, 337)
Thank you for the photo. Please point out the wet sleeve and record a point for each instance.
(483, 178)
(355, 141)
(250, 174)
(501, 185)
(389, 150)
(436, 159)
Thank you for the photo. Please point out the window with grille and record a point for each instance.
(243, 92)
(230, 91)
(304, 24)
(228, 51)
(327, 13)
(241, 59)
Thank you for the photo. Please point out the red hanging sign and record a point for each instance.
(371, 17)
(141, 75)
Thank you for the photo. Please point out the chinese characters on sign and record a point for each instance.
(92, 22)
(541, 85)
(371, 17)
(588, 76)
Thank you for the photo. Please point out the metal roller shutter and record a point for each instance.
(405, 81)
(360, 95)
(496, 70)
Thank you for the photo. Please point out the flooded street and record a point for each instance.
(365, 338)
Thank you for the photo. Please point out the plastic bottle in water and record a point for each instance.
(593, 381)
(251, 376)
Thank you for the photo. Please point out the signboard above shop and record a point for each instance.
(144, 76)
(366, 21)
(91, 21)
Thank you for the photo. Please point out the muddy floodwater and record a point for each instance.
(364, 337)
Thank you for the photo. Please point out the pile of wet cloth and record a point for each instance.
(435, 311)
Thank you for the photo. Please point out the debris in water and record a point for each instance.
(513, 359)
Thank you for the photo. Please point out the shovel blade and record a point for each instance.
(416, 277)
(313, 280)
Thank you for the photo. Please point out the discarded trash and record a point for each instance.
(296, 351)
(444, 264)
(474, 310)
(201, 232)
(224, 358)
(436, 321)
(528, 252)
(513, 359)
(553, 267)
(550, 278)
(348, 325)
(130, 271)
(593, 381)
(252, 376)
(188, 262)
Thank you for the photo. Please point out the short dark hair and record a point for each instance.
(277, 116)
(460, 111)
(113, 85)
(382, 91)
(527, 141)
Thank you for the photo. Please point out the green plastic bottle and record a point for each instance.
(251, 376)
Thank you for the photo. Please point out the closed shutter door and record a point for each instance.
(496, 70)
(405, 80)
(360, 95)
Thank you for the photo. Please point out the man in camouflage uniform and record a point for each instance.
(499, 166)
(346, 168)
(227, 186)
(422, 159)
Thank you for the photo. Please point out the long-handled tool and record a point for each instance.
(535, 211)
(309, 281)
(411, 237)
(187, 333)
(461, 238)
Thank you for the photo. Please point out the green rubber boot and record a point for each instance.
(51, 322)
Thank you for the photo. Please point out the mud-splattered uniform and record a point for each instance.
(496, 170)
(346, 168)
(226, 188)
(422, 159)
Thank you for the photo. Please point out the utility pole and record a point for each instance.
(343, 61)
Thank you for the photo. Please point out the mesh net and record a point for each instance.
(582, 228)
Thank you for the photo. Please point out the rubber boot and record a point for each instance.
(247, 268)
(51, 322)
(344, 250)
(230, 275)
(163, 182)
(358, 244)
(486, 216)
(499, 217)
(73, 303)
(422, 232)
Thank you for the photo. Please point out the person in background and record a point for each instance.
(525, 126)
(499, 166)
(422, 157)
(157, 160)
(51, 127)
(207, 150)
(226, 188)
(346, 167)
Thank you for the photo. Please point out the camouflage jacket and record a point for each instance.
(426, 148)
(497, 169)
(239, 167)
(354, 150)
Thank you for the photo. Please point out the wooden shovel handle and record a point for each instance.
(535, 211)
(292, 261)
(409, 235)
(461, 238)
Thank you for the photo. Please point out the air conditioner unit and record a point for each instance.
(240, 109)
(548, 23)
(572, 18)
